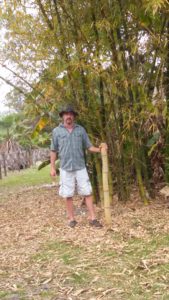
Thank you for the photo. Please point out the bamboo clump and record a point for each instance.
(106, 193)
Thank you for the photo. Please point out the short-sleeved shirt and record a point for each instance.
(70, 146)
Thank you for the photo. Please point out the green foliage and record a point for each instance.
(47, 162)
(7, 124)
(106, 57)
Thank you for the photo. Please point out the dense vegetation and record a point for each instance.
(111, 60)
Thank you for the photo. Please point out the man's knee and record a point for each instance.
(69, 198)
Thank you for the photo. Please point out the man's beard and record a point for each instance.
(69, 121)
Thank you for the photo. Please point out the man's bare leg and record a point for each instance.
(90, 206)
(92, 215)
(69, 208)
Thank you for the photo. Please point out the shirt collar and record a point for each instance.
(61, 125)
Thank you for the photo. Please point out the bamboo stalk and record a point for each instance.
(99, 178)
(106, 193)
(0, 171)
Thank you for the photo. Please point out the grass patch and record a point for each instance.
(137, 248)
(139, 271)
(124, 271)
(68, 254)
(27, 177)
(42, 257)
(3, 294)
(47, 295)
(79, 278)
(13, 295)
(67, 259)
(110, 254)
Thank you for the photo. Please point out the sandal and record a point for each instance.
(72, 223)
(95, 223)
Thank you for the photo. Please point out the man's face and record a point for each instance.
(68, 118)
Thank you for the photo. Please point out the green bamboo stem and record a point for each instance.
(110, 185)
(138, 172)
(99, 179)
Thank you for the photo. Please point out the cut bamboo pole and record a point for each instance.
(106, 193)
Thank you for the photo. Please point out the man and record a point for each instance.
(69, 141)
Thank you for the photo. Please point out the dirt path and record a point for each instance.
(41, 258)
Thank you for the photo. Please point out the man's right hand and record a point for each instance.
(52, 172)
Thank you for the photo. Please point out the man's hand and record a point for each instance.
(103, 145)
(98, 149)
(52, 172)
(52, 166)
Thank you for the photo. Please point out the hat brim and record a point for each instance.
(65, 112)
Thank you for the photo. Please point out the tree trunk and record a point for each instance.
(4, 164)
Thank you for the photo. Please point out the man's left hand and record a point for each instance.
(103, 145)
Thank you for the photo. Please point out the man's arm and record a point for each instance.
(94, 149)
(53, 157)
(53, 152)
(98, 149)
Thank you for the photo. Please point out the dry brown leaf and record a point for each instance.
(78, 292)
(47, 280)
(107, 291)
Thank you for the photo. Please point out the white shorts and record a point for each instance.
(70, 181)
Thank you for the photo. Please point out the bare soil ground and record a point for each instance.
(42, 258)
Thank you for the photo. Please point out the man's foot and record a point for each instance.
(95, 223)
(72, 223)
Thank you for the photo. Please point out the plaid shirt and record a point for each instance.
(70, 146)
